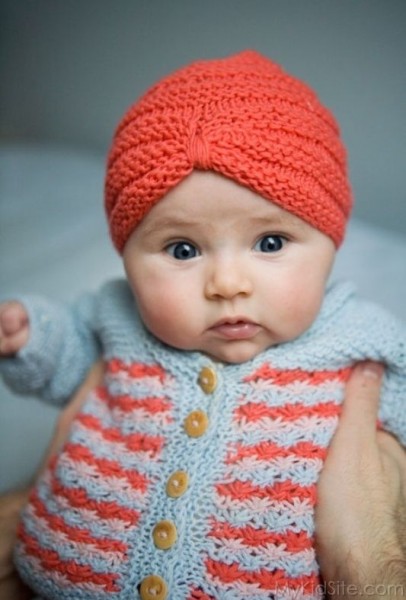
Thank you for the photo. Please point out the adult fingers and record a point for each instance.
(11, 587)
(93, 379)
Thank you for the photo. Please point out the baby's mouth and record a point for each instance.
(238, 328)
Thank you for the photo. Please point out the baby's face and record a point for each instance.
(216, 268)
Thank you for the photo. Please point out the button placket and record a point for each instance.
(164, 533)
(197, 421)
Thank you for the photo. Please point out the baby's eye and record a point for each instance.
(182, 250)
(270, 243)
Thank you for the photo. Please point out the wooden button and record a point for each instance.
(196, 423)
(164, 534)
(208, 380)
(153, 587)
(177, 484)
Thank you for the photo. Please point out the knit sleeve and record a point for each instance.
(62, 346)
(392, 414)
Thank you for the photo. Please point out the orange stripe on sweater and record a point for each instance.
(151, 405)
(135, 370)
(127, 403)
(252, 411)
(78, 498)
(135, 442)
(280, 491)
(198, 594)
(269, 450)
(268, 580)
(105, 466)
(75, 573)
(292, 541)
(285, 377)
(76, 534)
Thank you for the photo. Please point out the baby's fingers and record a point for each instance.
(12, 344)
(14, 328)
(13, 317)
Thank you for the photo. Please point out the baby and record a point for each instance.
(191, 473)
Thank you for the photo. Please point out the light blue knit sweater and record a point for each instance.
(183, 478)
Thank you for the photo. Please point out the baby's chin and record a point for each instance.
(231, 352)
(235, 352)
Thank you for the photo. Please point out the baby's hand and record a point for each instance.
(14, 328)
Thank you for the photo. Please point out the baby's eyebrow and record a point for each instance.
(163, 223)
(278, 220)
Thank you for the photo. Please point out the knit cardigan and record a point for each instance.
(183, 478)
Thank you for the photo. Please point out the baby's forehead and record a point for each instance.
(206, 198)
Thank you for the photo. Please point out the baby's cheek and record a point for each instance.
(167, 316)
(301, 307)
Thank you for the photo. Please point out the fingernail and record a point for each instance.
(372, 369)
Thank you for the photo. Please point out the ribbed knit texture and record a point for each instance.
(245, 524)
(243, 117)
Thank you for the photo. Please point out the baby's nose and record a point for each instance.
(227, 279)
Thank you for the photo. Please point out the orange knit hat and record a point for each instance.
(244, 118)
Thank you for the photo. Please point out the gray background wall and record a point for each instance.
(69, 68)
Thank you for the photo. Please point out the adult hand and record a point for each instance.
(11, 504)
(11, 587)
(361, 509)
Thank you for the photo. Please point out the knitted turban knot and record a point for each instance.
(244, 118)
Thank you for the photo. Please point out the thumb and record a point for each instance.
(360, 408)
